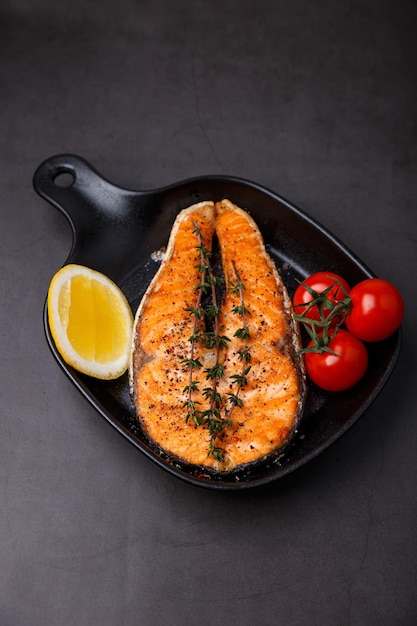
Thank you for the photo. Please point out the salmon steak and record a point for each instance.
(215, 373)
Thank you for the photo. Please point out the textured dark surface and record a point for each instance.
(315, 101)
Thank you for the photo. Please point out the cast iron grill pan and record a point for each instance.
(118, 231)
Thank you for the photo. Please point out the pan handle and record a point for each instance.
(73, 185)
(102, 215)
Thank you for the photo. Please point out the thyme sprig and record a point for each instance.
(242, 333)
(216, 415)
(193, 363)
(210, 417)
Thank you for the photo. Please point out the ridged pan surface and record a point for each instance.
(119, 231)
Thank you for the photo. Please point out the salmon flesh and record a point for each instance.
(214, 373)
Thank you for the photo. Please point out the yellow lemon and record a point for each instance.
(90, 321)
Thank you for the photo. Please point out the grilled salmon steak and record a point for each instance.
(214, 372)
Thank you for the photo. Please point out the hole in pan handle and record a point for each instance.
(73, 185)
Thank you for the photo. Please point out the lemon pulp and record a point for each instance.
(90, 320)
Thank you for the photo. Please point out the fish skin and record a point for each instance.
(274, 395)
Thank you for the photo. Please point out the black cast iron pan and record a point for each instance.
(117, 231)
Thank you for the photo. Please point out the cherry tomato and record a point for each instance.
(377, 309)
(340, 371)
(319, 282)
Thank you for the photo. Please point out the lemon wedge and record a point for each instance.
(91, 321)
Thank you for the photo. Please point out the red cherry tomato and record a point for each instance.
(340, 371)
(377, 309)
(319, 282)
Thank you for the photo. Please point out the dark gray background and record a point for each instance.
(315, 100)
